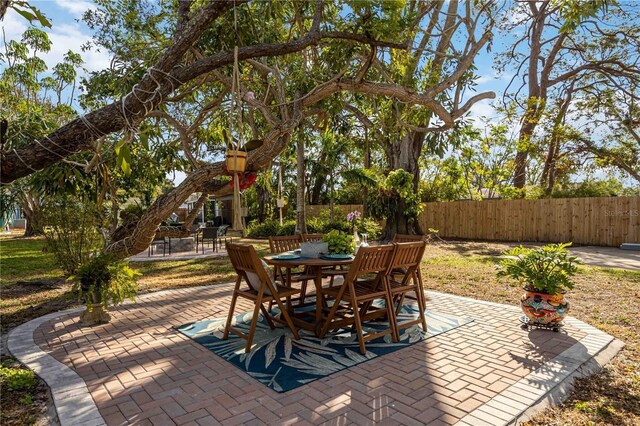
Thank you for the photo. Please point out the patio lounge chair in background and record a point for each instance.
(160, 241)
(195, 228)
(359, 295)
(261, 289)
(290, 243)
(207, 234)
(222, 235)
(407, 256)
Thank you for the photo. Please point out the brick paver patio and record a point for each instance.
(140, 370)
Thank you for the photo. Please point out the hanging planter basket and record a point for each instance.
(236, 161)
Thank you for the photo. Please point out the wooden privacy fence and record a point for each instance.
(603, 221)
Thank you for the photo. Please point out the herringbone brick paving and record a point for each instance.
(140, 370)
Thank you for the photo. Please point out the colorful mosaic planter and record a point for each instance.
(544, 308)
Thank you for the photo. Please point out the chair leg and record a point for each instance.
(267, 317)
(332, 313)
(421, 302)
(393, 321)
(400, 302)
(254, 322)
(303, 291)
(358, 324)
(232, 308)
(287, 318)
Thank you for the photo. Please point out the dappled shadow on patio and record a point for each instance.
(139, 368)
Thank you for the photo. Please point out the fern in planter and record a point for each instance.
(104, 280)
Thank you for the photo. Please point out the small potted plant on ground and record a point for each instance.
(102, 281)
(546, 275)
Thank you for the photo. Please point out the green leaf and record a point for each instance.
(144, 140)
(26, 15)
(123, 159)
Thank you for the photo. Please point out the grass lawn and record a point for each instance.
(606, 298)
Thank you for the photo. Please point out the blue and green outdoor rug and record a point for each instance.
(282, 363)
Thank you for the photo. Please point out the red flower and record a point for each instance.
(246, 180)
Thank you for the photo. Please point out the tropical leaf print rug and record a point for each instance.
(282, 363)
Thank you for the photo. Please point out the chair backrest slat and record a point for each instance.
(405, 238)
(408, 255)
(308, 238)
(285, 243)
(370, 260)
(210, 232)
(245, 259)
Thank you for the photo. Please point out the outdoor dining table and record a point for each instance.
(314, 267)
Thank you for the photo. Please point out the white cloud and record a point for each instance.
(480, 110)
(75, 7)
(64, 37)
(484, 79)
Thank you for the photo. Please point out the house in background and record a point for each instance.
(13, 218)
(221, 208)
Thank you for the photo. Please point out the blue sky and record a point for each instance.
(66, 33)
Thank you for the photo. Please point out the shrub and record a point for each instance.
(546, 269)
(72, 234)
(315, 225)
(371, 227)
(268, 228)
(287, 228)
(17, 379)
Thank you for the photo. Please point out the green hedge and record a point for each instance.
(270, 228)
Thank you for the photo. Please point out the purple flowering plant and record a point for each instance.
(353, 218)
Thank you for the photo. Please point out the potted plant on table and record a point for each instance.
(339, 242)
(546, 275)
(103, 281)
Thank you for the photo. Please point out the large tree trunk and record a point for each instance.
(301, 221)
(32, 210)
(367, 166)
(404, 153)
(264, 196)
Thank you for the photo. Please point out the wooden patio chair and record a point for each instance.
(261, 289)
(309, 238)
(407, 256)
(406, 238)
(290, 243)
(358, 295)
(285, 243)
